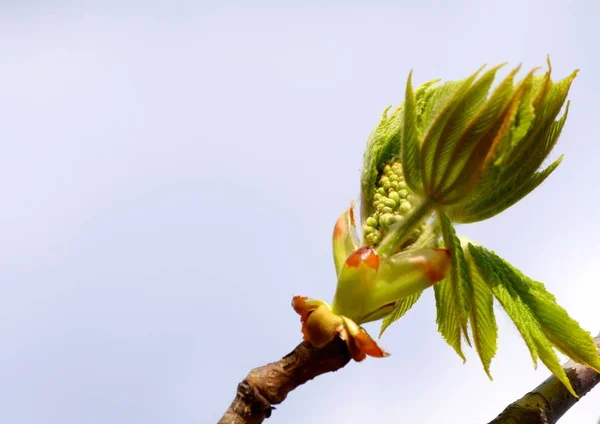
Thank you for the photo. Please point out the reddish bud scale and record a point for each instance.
(366, 255)
(436, 273)
(320, 325)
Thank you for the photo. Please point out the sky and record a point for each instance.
(170, 174)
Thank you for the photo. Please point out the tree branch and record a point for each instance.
(548, 402)
(270, 384)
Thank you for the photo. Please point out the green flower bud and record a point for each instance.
(387, 219)
(393, 195)
(404, 207)
(390, 206)
(390, 203)
(372, 222)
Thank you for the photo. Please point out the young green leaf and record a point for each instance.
(483, 320)
(541, 321)
(467, 107)
(509, 192)
(481, 129)
(512, 304)
(375, 146)
(423, 95)
(432, 141)
(411, 143)
(549, 358)
(480, 158)
(399, 311)
(560, 329)
(447, 317)
(460, 279)
(344, 240)
(513, 166)
(523, 119)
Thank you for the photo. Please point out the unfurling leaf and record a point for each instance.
(400, 309)
(411, 141)
(454, 294)
(483, 320)
(447, 315)
(345, 240)
(540, 320)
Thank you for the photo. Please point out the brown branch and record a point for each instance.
(549, 401)
(270, 384)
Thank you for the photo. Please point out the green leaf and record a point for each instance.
(423, 95)
(513, 170)
(504, 197)
(560, 329)
(460, 279)
(411, 141)
(401, 309)
(539, 319)
(523, 121)
(451, 98)
(447, 317)
(542, 86)
(482, 156)
(549, 358)
(465, 110)
(385, 145)
(382, 145)
(483, 320)
(437, 99)
(479, 136)
(344, 239)
(524, 117)
(528, 155)
(512, 304)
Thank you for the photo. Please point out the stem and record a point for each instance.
(402, 230)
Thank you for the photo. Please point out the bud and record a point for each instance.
(391, 193)
(459, 147)
(369, 285)
(345, 239)
(460, 151)
(320, 325)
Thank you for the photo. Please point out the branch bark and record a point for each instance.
(270, 384)
(549, 401)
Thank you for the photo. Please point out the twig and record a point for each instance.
(270, 384)
(549, 401)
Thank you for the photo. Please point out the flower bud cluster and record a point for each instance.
(391, 202)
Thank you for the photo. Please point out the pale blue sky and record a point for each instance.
(170, 175)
